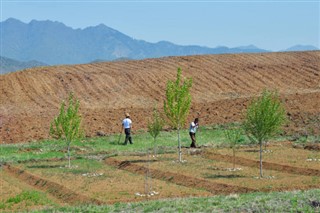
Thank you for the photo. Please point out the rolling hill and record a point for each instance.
(222, 87)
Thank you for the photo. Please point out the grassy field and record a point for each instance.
(297, 201)
(112, 144)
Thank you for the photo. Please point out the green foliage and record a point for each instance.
(67, 125)
(264, 117)
(177, 103)
(234, 138)
(155, 126)
(178, 100)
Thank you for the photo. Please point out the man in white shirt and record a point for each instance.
(127, 125)
(192, 132)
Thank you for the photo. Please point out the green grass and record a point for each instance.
(26, 198)
(296, 201)
(166, 142)
(111, 145)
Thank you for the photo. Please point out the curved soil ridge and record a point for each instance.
(266, 165)
(60, 192)
(30, 99)
(179, 179)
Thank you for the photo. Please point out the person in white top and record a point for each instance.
(192, 132)
(127, 125)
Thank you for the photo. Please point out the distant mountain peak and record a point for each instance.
(301, 47)
(48, 23)
(13, 21)
(250, 46)
(53, 42)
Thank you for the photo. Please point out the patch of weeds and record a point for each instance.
(314, 179)
(2, 205)
(30, 197)
(294, 202)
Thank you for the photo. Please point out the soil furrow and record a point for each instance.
(265, 165)
(179, 179)
(133, 85)
(61, 192)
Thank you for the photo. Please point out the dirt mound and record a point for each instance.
(266, 165)
(214, 188)
(222, 87)
(57, 190)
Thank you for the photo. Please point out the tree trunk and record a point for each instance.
(69, 154)
(146, 184)
(154, 147)
(260, 159)
(179, 145)
(234, 157)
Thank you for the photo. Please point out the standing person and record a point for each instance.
(192, 132)
(127, 125)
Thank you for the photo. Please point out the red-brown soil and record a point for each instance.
(222, 87)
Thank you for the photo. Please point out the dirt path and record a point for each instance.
(179, 179)
(265, 165)
(62, 193)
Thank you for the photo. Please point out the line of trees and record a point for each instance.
(263, 119)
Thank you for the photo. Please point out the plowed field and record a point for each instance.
(222, 87)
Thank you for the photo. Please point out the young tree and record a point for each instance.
(154, 127)
(66, 125)
(264, 117)
(177, 104)
(233, 135)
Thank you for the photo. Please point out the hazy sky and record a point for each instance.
(272, 25)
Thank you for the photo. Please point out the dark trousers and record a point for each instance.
(193, 139)
(128, 136)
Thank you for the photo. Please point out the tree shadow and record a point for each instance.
(251, 150)
(116, 143)
(229, 176)
(44, 166)
(142, 161)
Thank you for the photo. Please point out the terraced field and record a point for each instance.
(205, 172)
(222, 87)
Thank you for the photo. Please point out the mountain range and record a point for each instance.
(53, 43)
(10, 65)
